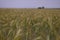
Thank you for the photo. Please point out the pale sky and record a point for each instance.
(29, 3)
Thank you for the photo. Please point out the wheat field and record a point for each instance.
(29, 24)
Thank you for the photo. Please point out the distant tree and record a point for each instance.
(41, 7)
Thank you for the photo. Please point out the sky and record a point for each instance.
(29, 3)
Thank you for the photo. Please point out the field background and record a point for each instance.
(29, 24)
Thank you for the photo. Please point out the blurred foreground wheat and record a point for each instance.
(29, 24)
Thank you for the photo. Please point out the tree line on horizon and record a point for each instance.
(41, 7)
